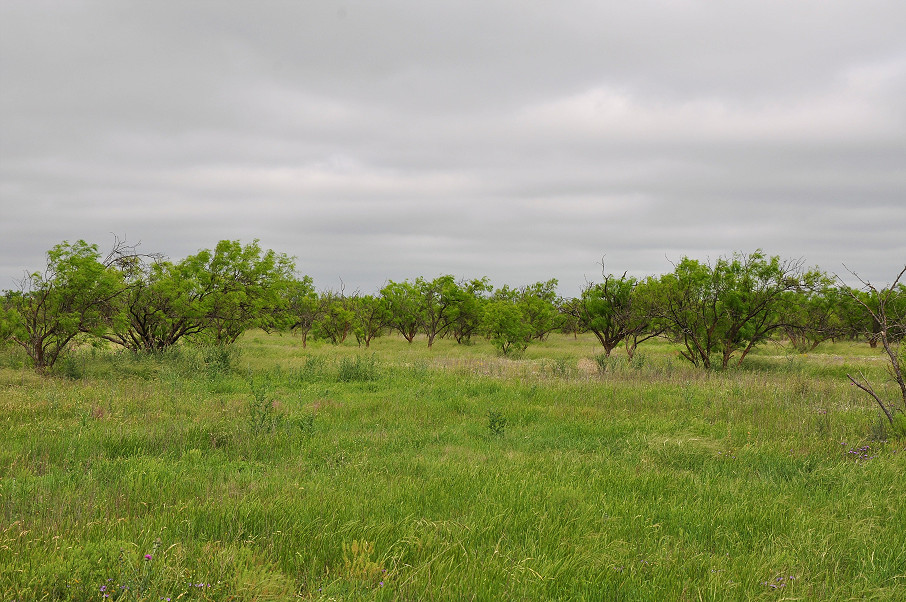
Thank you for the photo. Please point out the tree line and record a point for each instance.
(717, 311)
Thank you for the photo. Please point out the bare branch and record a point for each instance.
(867, 388)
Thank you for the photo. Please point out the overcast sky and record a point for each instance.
(518, 140)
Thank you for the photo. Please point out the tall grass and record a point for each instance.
(281, 473)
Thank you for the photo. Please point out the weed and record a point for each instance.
(361, 368)
(859, 454)
(779, 582)
(496, 423)
(602, 360)
(311, 369)
(878, 430)
(560, 367)
(264, 416)
(638, 360)
(306, 424)
(419, 369)
(219, 359)
(822, 423)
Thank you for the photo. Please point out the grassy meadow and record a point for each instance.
(274, 472)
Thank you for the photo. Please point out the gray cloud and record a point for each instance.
(519, 140)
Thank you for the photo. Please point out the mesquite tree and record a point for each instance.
(887, 309)
(814, 314)
(242, 287)
(214, 295)
(337, 317)
(468, 303)
(403, 302)
(370, 318)
(302, 307)
(725, 308)
(160, 307)
(506, 324)
(74, 294)
(436, 305)
(614, 311)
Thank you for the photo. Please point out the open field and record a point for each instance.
(402, 473)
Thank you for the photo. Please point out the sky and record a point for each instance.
(519, 140)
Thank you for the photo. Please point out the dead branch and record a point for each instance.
(867, 388)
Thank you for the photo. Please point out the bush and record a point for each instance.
(359, 369)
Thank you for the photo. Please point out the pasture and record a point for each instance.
(273, 472)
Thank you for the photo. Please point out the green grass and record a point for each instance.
(402, 473)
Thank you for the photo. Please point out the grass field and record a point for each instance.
(402, 473)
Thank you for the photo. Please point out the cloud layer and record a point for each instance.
(518, 140)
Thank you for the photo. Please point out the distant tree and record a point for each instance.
(468, 299)
(814, 313)
(371, 317)
(644, 315)
(726, 308)
(74, 294)
(7, 318)
(302, 307)
(436, 305)
(569, 322)
(242, 287)
(614, 312)
(336, 319)
(506, 325)
(403, 302)
(539, 304)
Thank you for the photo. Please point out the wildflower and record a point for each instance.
(147, 557)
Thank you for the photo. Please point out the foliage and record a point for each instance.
(814, 313)
(214, 296)
(506, 326)
(538, 304)
(726, 308)
(569, 322)
(467, 311)
(241, 287)
(263, 408)
(718, 311)
(496, 423)
(8, 317)
(371, 317)
(403, 302)
(302, 307)
(336, 319)
(361, 368)
(436, 305)
(73, 295)
(614, 311)
(161, 305)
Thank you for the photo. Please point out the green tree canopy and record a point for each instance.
(74, 294)
(726, 308)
